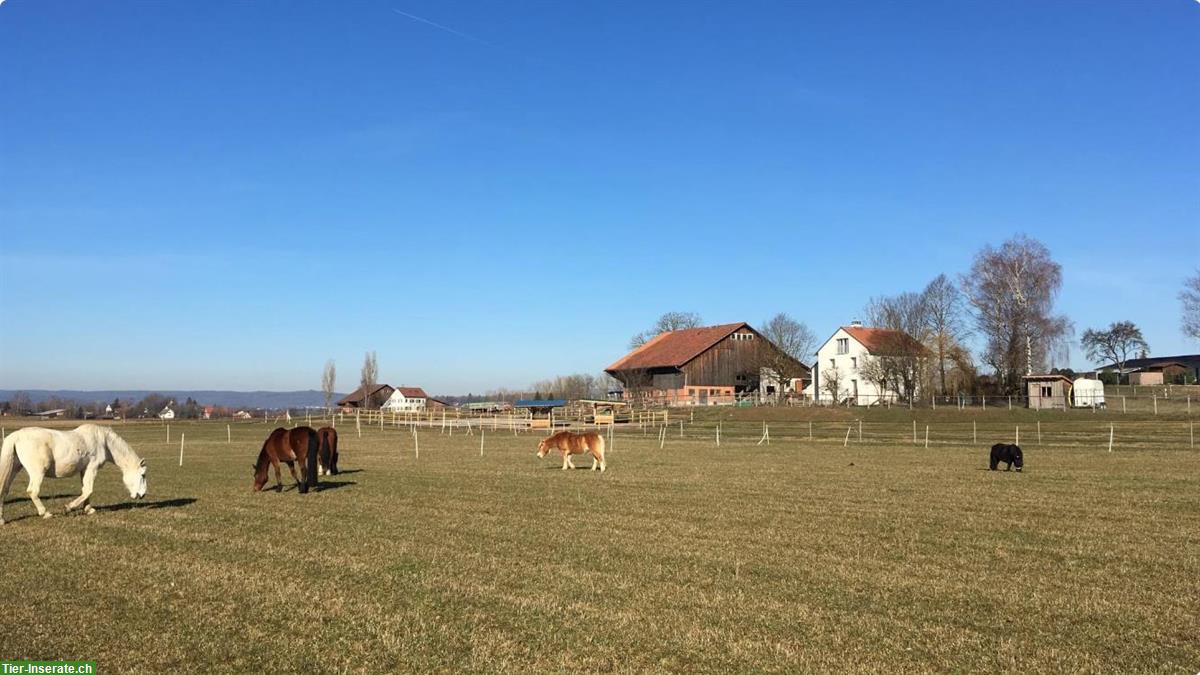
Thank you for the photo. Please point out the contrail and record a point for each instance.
(438, 26)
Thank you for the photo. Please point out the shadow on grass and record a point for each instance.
(178, 502)
(342, 472)
(330, 485)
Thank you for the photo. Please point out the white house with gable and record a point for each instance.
(844, 355)
(406, 399)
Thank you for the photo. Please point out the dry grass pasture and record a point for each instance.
(801, 556)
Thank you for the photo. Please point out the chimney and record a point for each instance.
(856, 324)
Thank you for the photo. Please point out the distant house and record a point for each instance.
(57, 412)
(1160, 369)
(846, 358)
(406, 399)
(242, 415)
(208, 412)
(166, 413)
(358, 399)
(695, 366)
(434, 404)
(1048, 392)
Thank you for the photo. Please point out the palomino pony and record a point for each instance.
(327, 436)
(288, 446)
(574, 444)
(59, 454)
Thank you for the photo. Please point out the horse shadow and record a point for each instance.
(178, 502)
(321, 486)
(348, 471)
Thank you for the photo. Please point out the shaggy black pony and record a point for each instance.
(1009, 454)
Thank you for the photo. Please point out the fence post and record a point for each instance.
(847, 441)
(1039, 432)
(974, 433)
(1110, 437)
(1017, 439)
(860, 431)
(181, 437)
(914, 432)
(926, 436)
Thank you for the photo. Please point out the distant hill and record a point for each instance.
(231, 399)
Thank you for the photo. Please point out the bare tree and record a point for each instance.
(943, 314)
(370, 371)
(831, 381)
(1115, 344)
(789, 343)
(902, 348)
(1190, 298)
(328, 381)
(1012, 291)
(667, 322)
(874, 369)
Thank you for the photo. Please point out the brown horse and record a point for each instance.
(289, 446)
(327, 436)
(574, 444)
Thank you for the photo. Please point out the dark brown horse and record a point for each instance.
(327, 436)
(289, 446)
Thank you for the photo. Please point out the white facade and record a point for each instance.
(845, 355)
(166, 414)
(398, 402)
(769, 388)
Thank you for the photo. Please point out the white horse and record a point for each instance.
(59, 454)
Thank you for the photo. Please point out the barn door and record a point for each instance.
(703, 397)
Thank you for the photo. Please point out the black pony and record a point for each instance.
(1009, 454)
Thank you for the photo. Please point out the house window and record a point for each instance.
(853, 361)
(843, 345)
(1047, 391)
(832, 364)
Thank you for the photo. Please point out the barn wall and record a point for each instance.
(730, 362)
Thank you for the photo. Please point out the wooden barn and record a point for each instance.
(372, 399)
(1048, 391)
(696, 366)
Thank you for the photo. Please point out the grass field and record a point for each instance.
(805, 555)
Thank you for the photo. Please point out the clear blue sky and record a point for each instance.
(224, 195)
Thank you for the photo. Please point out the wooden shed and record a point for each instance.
(1048, 391)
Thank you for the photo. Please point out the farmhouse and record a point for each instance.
(696, 366)
(866, 366)
(358, 399)
(1048, 391)
(1183, 369)
(166, 413)
(406, 399)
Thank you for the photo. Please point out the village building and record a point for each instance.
(406, 399)
(848, 365)
(1182, 369)
(713, 365)
(373, 398)
(166, 413)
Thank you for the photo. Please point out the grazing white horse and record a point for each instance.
(59, 454)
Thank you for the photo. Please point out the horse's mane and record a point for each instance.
(118, 449)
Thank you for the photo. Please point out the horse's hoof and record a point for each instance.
(89, 511)
(1, 521)
(47, 515)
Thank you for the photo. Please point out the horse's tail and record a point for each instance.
(9, 466)
(311, 459)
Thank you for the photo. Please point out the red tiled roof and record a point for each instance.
(412, 392)
(675, 348)
(883, 340)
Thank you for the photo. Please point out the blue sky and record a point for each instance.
(224, 195)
